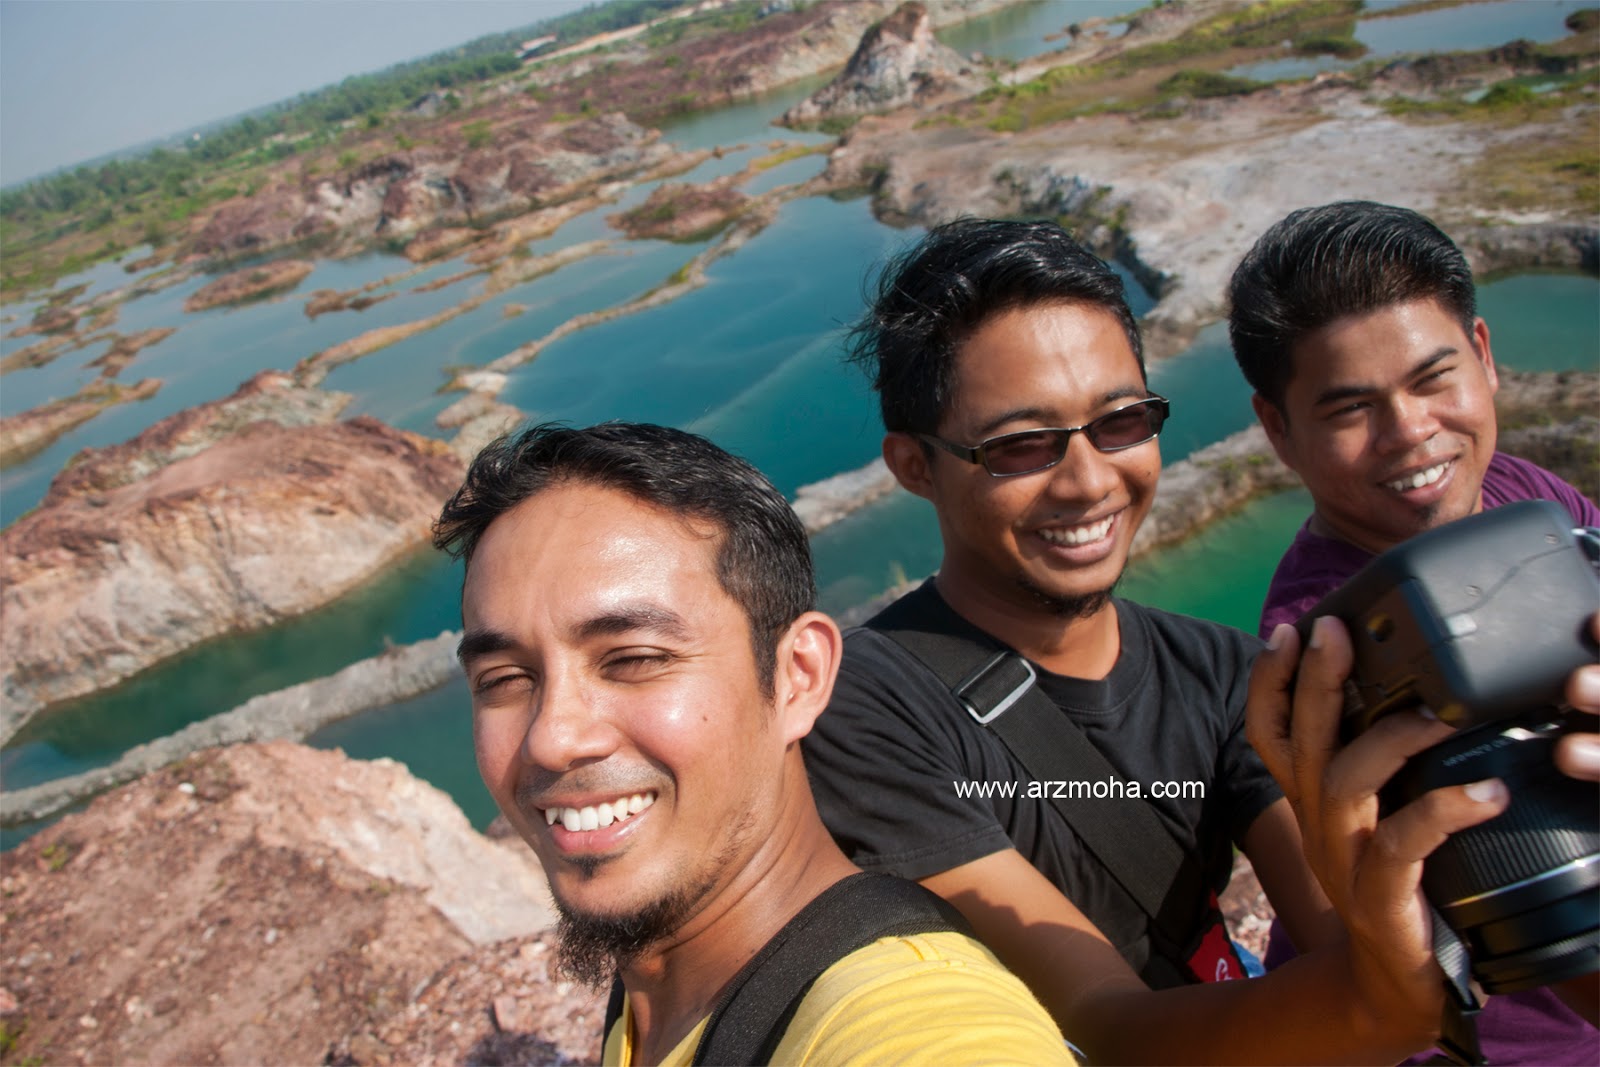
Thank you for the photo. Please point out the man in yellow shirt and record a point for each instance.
(644, 659)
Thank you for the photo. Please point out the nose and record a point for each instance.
(569, 725)
(1408, 422)
(1085, 474)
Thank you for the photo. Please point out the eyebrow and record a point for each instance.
(475, 643)
(1127, 392)
(651, 618)
(630, 618)
(1337, 393)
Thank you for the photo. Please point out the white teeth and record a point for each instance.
(595, 816)
(1419, 479)
(1078, 535)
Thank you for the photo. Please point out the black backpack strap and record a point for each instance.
(759, 1002)
(613, 1011)
(998, 689)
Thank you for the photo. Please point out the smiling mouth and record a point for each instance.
(1419, 479)
(596, 816)
(1086, 534)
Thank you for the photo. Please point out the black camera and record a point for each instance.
(1482, 620)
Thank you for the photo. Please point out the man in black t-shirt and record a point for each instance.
(1013, 390)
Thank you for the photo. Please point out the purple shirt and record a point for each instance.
(1532, 1027)
(1315, 565)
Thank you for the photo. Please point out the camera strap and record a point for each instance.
(999, 689)
(1458, 1031)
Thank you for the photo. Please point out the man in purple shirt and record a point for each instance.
(1356, 323)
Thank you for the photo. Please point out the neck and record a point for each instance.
(1084, 646)
(677, 983)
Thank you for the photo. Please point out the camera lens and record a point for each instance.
(1520, 889)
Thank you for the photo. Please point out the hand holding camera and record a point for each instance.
(1430, 704)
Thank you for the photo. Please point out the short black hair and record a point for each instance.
(1320, 264)
(764, 560)
(936, 294)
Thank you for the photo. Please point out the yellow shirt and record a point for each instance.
(939, 998)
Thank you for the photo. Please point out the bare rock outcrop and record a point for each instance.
(29, 432)
(261, 904)
(897, 63)
(267, 522)
(250, 283)
(679, 212)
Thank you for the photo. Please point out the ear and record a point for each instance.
(808, 662)
(907, 460)
(1480, 342)
(1277, 427)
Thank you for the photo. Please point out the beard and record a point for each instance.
(592, 948)
(1067, 608)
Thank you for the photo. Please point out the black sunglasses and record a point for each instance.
(1029, 451)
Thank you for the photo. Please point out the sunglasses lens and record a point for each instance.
(1123, 429)
(1020, 453)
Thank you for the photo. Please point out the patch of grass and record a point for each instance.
(10, 1034)
(1206, 83)
(799, 151)
(56, 855)
(1342, 45)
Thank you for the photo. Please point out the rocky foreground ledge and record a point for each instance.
(277, 904)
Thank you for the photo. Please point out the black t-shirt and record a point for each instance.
(886, 758)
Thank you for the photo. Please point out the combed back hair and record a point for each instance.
(937, 293)
(763, 561)
(1320, 264)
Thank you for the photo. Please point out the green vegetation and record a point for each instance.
(1149, 76)
(10, 1033)
(730, 19)
(478, 134)
(1343, 45)
(56, 855)
(1259, 25)
(1206, 83)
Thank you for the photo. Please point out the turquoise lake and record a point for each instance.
(751, 359)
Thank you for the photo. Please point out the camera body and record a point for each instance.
(1482, 621)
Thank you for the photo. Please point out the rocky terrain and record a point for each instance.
(277, 904)
(29, 432)
(225, 517)
(897, 64)
(251, 283)
(273, 904)
(676, 212)
(400, 194)
(1180, 191)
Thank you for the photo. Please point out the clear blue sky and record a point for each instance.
(80, 78)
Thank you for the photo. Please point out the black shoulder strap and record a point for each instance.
(997, 688)
(758, 1003)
